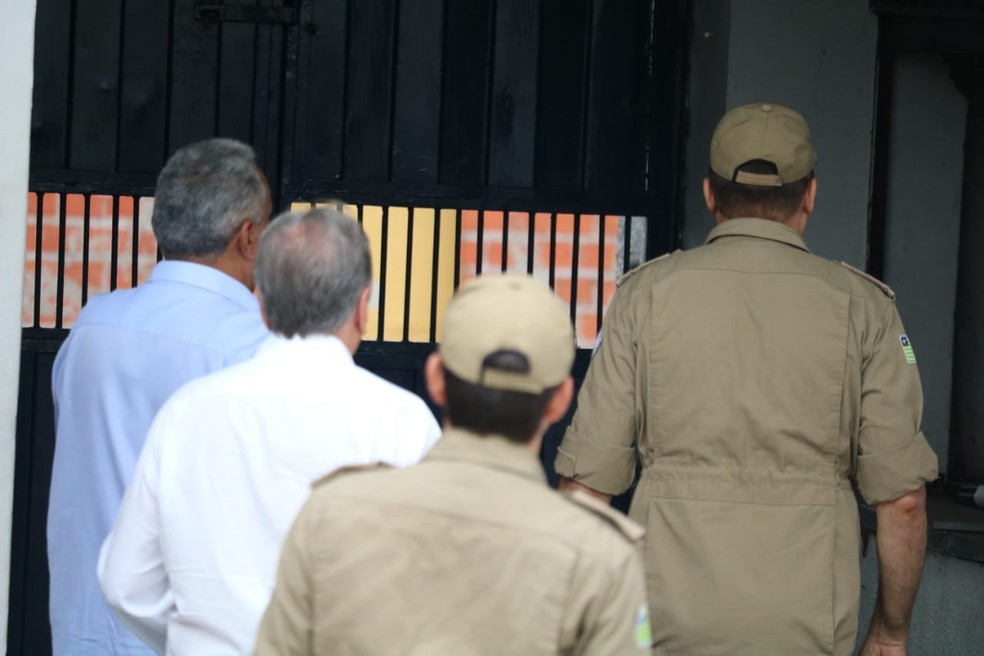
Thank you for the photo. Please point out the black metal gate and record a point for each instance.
(466, 135)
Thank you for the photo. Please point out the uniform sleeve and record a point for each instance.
(619, 622)
(287, 627)
(131, 567)
(894, 457)
(598, 448)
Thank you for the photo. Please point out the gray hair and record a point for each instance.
(310, 270)
(204, 193)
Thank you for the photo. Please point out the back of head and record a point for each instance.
(310, 270)
(204, 193)
(508, 344)
(762, 161)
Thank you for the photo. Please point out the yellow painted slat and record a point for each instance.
(396, 272)
(372, 223)
(421, 274)
(446, 265)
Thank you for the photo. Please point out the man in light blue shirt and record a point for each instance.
(126, 354)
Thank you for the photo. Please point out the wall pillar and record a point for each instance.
(16, 80)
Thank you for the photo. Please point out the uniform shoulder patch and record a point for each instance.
(632, 531)
(642, 267)
(349, 469)
(870, 278)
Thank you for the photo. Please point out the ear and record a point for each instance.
(362, 311)
(247, 238)
(434, 378)
(560, 401)
(709, 196)
(810, 197)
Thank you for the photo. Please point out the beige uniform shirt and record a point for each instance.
(752, 381)
(467, 553)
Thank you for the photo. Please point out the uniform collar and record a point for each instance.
(492, 451)
(205, 277)
(759, 229)
(315, 349)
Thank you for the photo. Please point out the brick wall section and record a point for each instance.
(589, 253)
(100, 240)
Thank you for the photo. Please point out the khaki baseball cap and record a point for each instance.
(514, 314)
(772, 133)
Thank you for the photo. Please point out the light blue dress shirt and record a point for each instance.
(126, 354)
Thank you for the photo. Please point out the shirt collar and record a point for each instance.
(759, 229)
(492, 451)
(313, 348)
(206, 277)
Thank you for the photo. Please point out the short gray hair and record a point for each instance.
(310, 270)
(204, 193)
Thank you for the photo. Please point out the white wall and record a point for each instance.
(816, 57)
(16, 80)
(707, 102)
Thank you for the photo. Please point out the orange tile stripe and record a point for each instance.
(425, 223)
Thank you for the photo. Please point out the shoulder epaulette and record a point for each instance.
(870, 278)
(631, 272)
(623, 524)
(349, 469)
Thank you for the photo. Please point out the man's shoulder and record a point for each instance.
(108, 308)
(347, 472)
(868, 282)
(621, 525)
(648, 270)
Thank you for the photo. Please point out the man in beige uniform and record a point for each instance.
(468, 552)
(754, 381)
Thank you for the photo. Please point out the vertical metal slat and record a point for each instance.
(114, 241)
(553, 250)
(602, 221)
(135, 244)
(38, 254)
(407, 276)
(530, 242)
(86, 213)
(626, 243)
(383, 245)
(457, 247)
(505, 240)
(60, 287)
(575, 256)
(435, 265)
(480, 243)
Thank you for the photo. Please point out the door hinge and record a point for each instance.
(213, 13)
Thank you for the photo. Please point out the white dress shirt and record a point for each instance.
(191, 562)
(127, 353)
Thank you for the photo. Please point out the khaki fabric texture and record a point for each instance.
(467, 553)
(752, 381)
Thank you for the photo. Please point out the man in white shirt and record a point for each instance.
(191, 562)
(129, 351)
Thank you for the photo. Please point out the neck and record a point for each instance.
(350, 336)
(534, 444)
(226, 263)
(797, 222)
